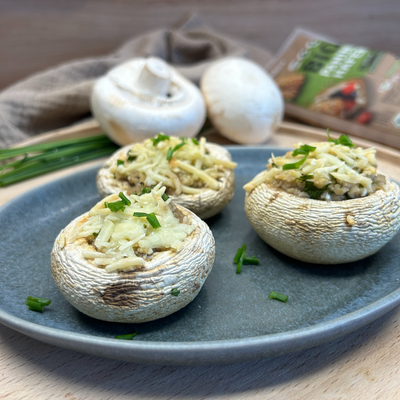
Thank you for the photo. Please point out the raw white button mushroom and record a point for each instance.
(243, 102)
(324, 232)
(141, 295)
(143, 97)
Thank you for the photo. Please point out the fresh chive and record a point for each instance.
(304, 149)
(115, 206)
(165, 197)
(295, 165)
(240, 262)
(278, 296)
(303, 178)
(46, 166)
(151, 218)
(128, 336)
(145, 190)
(159, 138)
(251, 261)
(37, 303)
(344, 140)
(124, 199)
(171, 150)
(239, 253)
(175, 292)
(120, 162)
(195, 141)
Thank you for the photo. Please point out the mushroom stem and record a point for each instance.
(155, 78)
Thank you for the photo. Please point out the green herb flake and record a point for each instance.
(303, 178)
(159, 138)
(304, 149)
(278, 296)
(240, 263)
(295, 165)
(175, 292)
(195, 141)
(120, 162)
(251, 261)
(130, 157)
(314, 192)
(239, 253)
(151, 218)
(165, 197)
(145, 190)
(274, 165)
(128, 336)
(171, 150)
(344, 140)
(115, 206)
(37, 303)
(124, 199)
(95, 234)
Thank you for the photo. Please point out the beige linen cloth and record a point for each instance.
(60, 96)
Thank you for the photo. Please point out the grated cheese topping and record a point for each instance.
(121, 241)
(330, 172)
(189, 169)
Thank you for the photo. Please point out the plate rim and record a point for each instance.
(199, 352)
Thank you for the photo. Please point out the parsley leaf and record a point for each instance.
(195, 141)
(120, 162)
(295, 165)
(175, 292)
(115, 206)
(344, 140)
(304, 149)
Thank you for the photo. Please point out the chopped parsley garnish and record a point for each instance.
(128, 336)
(150, 217)
(120, 162)
(195, 141)
(313, 191)
(165, 197)
(344, 140)
(278, 296)
(159, 138)
(303, 178)
(37, 303)
(171, 150)
(95, 234)
(175, 292)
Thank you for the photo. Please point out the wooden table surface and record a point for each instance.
(361, 365)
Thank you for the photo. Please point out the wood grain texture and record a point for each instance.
(42, 33)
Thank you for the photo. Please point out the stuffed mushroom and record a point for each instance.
(133, 258)
(197, 175)
(324, 203)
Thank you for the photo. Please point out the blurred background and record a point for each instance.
(37, 34)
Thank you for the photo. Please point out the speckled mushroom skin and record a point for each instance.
(323, 232)
(206, 204)
(135, 296)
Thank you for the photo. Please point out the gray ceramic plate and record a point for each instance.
(231, 320)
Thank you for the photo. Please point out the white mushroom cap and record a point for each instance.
(243, 102)
(324, 232)
(136, 296)
(144, 97)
